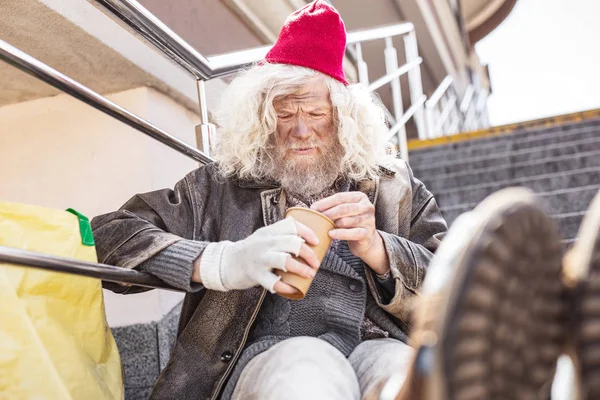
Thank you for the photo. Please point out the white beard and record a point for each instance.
(305, 177)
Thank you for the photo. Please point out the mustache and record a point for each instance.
(301, 145)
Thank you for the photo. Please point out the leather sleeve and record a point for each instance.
(410, 256)
(151, 232)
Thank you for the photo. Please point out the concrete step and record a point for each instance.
(568, 225)
(438, 183)
(519, 135)
(529, 154)
(503, 144)
(555, 202)
(539, 184)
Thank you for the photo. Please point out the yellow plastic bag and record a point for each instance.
(54, 340)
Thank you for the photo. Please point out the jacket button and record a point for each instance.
(226, 356)
(353, 287)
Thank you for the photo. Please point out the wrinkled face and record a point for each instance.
(306, 147)
(305, 122)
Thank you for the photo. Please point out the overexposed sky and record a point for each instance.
(544, 60)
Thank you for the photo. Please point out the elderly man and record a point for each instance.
(292, 132)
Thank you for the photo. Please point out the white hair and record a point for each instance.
(246, 120)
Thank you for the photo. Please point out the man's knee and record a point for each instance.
(306, 349)
(375, 360)
(299, 367)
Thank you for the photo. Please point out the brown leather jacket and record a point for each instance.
(205, 208)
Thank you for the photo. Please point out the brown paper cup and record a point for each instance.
(321, 225)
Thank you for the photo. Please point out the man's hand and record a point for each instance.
(241, 265)
(354, 217)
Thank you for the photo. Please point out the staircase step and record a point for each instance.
(555, 202)
(568, 224)
(519, 135)
(539, 184)
(529, 154)
(504, 143)
(438, 183)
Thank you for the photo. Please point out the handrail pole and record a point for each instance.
(449, 105)
(206, 131)
(366, 35)
(411, 49)
(363, 70)
(440, 91)
(391, 66)
(410, 112)
(140, 22)
(109, 273)
(36, 68)
(397, 73)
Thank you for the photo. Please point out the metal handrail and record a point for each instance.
(36, 68)
(144, 25)
(227, 63)
(439, 92)
(398, 73)
(446, 111)
(108, 273)
(435, 124)
(408, 114)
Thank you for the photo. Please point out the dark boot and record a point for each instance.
(490, 322)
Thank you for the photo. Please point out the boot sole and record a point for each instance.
(584, 261)
(501, 332)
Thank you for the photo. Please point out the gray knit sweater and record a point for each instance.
(335, 310)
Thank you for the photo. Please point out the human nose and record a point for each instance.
(301, 129)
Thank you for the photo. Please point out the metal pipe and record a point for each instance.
(391, 67)
(465, 103)
(227, 63)
(449, 106)
(415, 83)
(395, 74)
(105, 272)
(144, 25)
(363, 71)
(202, 102)
(429, 124)
(407, 115)
(36, 68)
(439, 92)
(382, 32)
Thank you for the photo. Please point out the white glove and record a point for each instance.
(241, 265)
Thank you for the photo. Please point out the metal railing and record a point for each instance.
(145, 26)
(36, 68)
(448, 114)
(399, 118)
(109, 273)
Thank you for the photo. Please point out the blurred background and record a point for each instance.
(539, 63)
(479, 95)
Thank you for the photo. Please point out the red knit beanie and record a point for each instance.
(312, 37)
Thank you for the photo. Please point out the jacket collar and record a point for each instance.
(269, 184)
(273, 199)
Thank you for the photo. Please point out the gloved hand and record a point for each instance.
(249, 262)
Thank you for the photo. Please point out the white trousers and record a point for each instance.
(310, 368)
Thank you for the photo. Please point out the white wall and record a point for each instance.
(58, 152)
